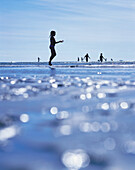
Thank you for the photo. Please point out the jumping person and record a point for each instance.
(52, 45)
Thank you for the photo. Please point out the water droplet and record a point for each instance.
(105, 106)
(52, 81)
(82, 97)
(24, 118)
(89, 89)
(54, 85)
(88, 95)
(2, 78)
(99, 73)
(124, 105)
(75, 159)
(39, 81)
(13, 82)
(101, 95)
(54, 110)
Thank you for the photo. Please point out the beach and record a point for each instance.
(74, 116)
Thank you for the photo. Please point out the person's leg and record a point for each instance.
(53, 54)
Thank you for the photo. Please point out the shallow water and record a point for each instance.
(71, 117)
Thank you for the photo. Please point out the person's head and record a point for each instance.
(52, 33)
(101, 54)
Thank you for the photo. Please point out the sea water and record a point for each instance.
(76, 116)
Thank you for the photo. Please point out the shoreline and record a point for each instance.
(93, 64)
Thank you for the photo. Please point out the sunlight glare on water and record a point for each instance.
(8, 132)
(54, 110)
(24, 118)
(75, 159)
(80, 116)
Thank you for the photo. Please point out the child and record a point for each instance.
(52, 45)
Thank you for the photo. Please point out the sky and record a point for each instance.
(86, 26)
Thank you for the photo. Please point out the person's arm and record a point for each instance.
(61, 41)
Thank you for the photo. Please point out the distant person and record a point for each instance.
(111, 59)
(52, 45)
(87, 57)
(38, 59)
(78, 59)
(81, 59)
(101, 57)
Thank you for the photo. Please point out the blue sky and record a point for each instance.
(86, 26)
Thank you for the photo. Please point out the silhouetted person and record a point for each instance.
(87, 57)
(52, 45)
(101, 58)
(38, 59)
(78, 59)
(111, 59)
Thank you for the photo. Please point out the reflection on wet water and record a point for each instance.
(67, 122)
(24, 118)
(75, 159)
(8, 132)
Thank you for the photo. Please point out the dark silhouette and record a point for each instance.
(101, 58)
(78, 59)
(87, 57)
(52, 45)
(38, 59)
(111, 59)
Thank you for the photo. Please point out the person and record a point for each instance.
(87, 57)
(38, 59)
(52, 46)
(78, 59)
(101, 58)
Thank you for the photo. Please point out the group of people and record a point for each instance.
(86, 57)
(53, 52)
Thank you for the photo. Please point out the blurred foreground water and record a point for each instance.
(71, 117)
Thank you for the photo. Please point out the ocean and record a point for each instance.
(73, 116)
